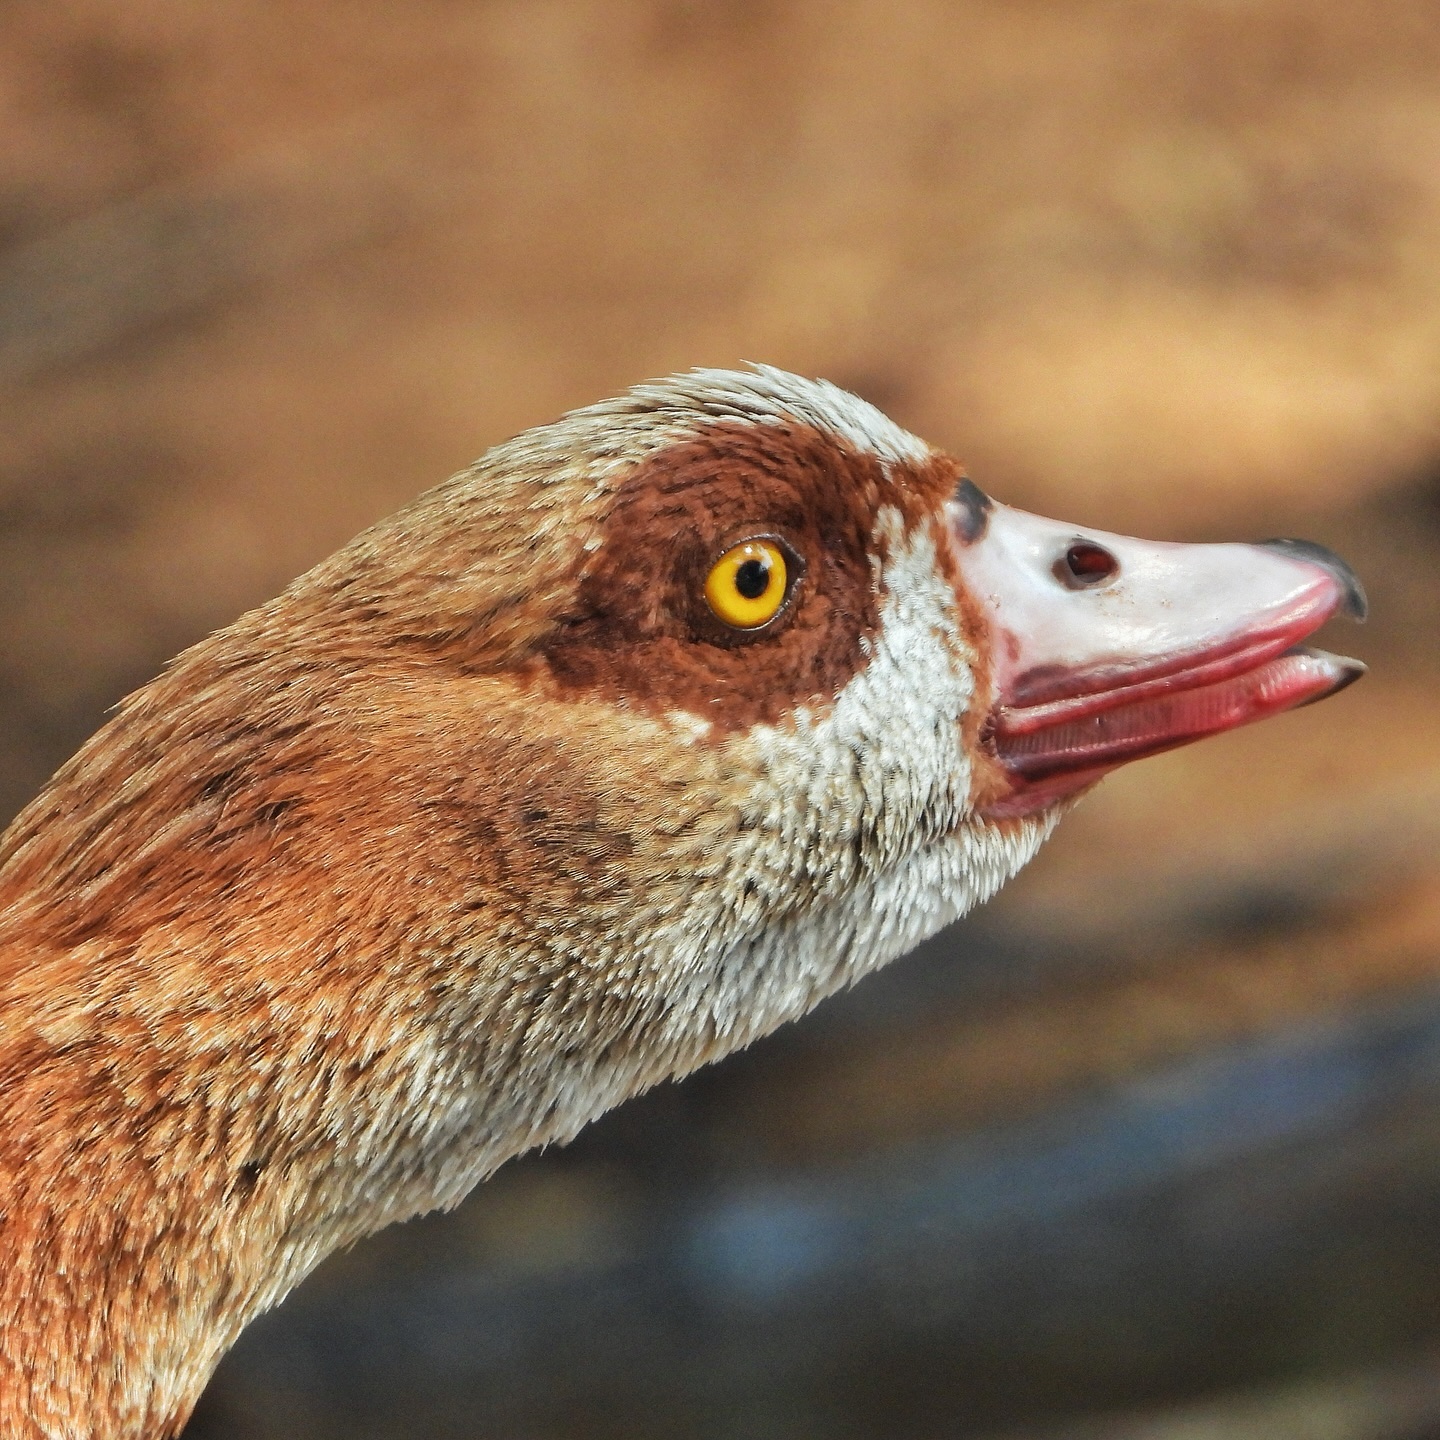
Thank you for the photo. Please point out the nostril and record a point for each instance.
(1085, 564)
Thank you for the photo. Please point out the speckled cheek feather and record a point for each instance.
(851, 841)
(858, 841)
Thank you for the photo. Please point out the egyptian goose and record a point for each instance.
(603, 758)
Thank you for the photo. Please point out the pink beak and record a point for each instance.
(1104, 649)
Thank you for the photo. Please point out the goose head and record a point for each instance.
(607, 756)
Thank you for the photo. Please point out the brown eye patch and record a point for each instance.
(640, 629)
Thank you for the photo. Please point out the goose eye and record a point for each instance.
(746, 586)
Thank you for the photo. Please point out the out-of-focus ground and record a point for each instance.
(1149, 1149)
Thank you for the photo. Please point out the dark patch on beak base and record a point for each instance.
(973, 505)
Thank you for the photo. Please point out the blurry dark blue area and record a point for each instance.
(1259, 1212)
(763, 1243)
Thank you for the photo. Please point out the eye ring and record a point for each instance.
(750, 583)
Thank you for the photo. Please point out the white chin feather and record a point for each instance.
(858, 843)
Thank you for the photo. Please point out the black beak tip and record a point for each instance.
(1353, 602)
(1347, 672)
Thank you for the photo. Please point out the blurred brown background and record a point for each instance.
(1151, 1148)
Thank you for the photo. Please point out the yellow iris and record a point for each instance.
(746, 585)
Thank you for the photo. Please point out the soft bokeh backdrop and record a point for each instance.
(1149, 1149)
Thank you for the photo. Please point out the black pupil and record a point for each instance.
(752, 579)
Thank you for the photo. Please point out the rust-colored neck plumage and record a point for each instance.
(170, 973)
